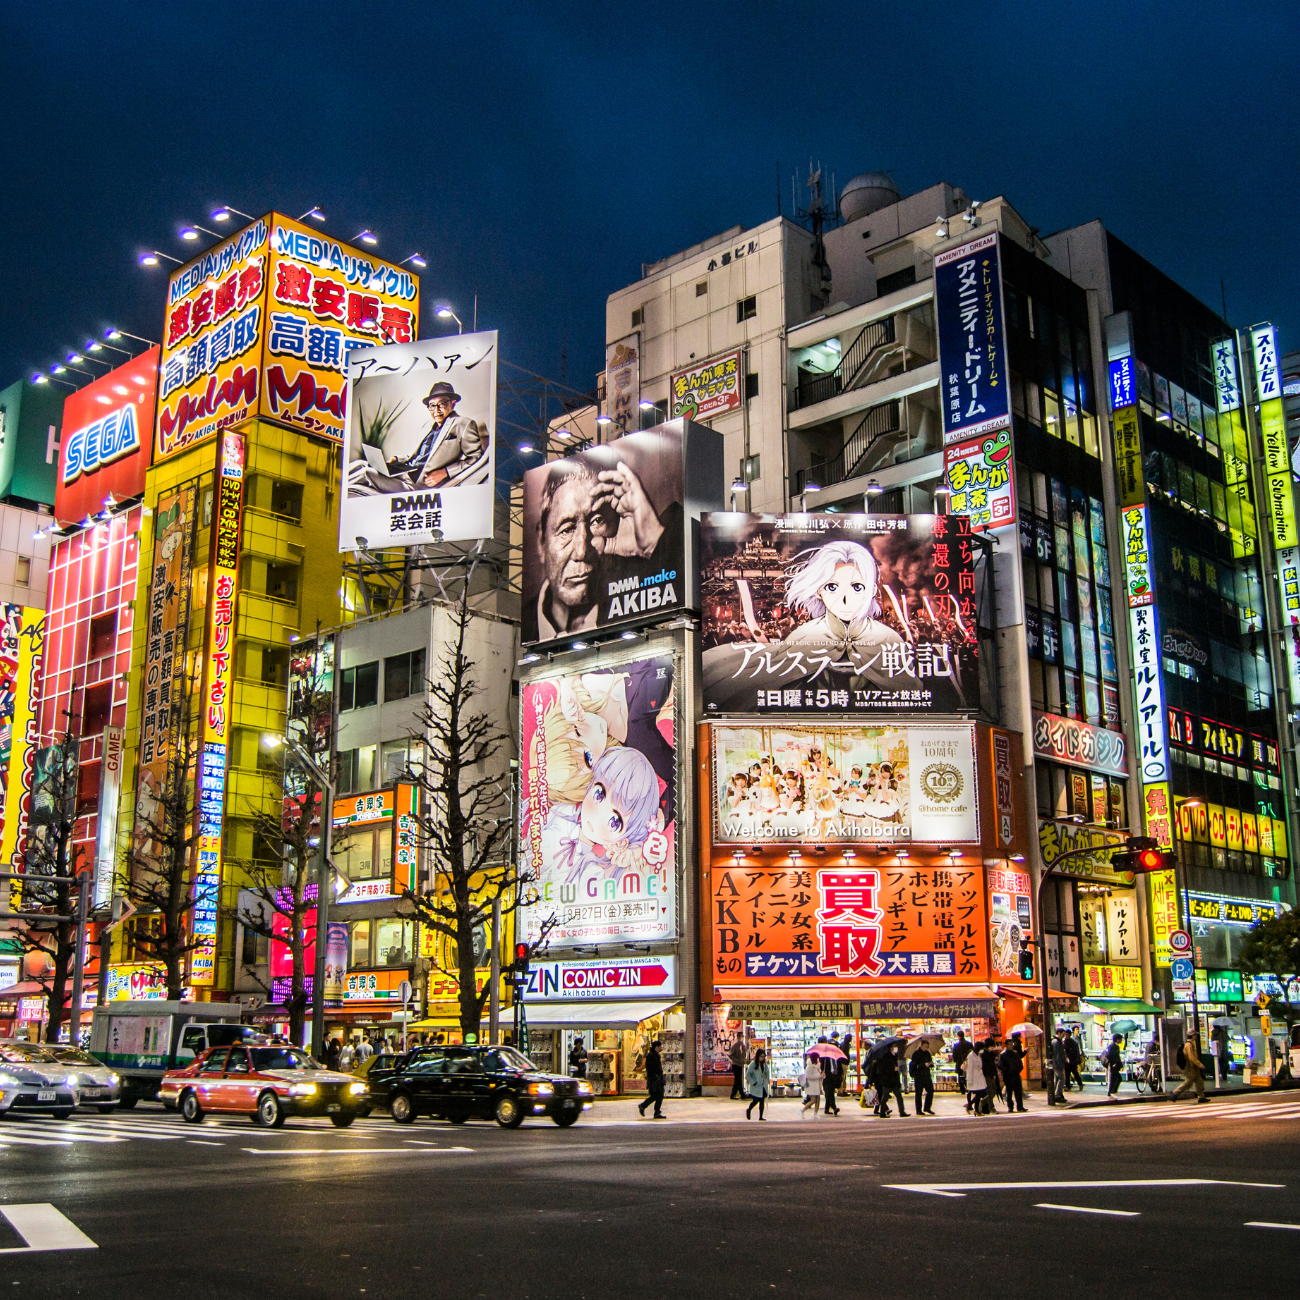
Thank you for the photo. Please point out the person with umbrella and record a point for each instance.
(961, 1049)
(921, 1069)
(833, 1063)
(1011, 1063)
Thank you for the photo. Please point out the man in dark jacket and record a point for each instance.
(1011, 1063)
(654, 1079)
(992, 1084)
(739, 1058)
(1114, 1059)
(1073, 1059)
(888, 1081)
(921, 1069)
(961, 1049)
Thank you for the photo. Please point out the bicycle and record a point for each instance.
(1147, 1075)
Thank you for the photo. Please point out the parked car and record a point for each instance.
(31, 1079)
(266, 1082)
(98, 1085)
(460, 1083)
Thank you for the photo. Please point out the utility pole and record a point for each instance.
(494, 994)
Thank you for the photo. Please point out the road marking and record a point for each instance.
(1087, 1209)
(42, 1227)
(355, 1151)
(1259, 1223)
(199, 1142)
(960, 1189)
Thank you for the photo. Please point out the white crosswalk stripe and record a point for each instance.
(1187, 1109)
(42, 1130)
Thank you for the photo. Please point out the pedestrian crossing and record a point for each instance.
(35, 1130)
(1186, 1108)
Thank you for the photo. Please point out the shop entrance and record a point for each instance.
(615, 1038)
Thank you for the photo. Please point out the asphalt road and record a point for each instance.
(700, 1205)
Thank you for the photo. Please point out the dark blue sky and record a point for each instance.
(538, 154)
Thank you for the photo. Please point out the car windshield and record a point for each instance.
(74, 1056)
(16, 1054)
(512, 1060)
(282, 1058)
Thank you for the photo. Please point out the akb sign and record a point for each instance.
(101, 443)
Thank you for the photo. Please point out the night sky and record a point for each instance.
(537, 155)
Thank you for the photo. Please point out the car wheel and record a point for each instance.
(128, 1103)
(567, 1120)
(342, 1121)
(63, 1112)
(191, 1111)
(403, 1108)
(106, 1110)
(509, 1113)
(270, 1114)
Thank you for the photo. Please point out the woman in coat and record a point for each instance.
(976, 1086)
(813, 1078)
(758, 1083)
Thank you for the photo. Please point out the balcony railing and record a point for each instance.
(849, 373)
(877, 423)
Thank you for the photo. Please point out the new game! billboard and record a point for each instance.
(844, 784)
(421, 443)
(838, 613)
(598, 821)
(605, 535)
(107, 428)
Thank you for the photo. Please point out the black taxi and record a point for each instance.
(458, 1083)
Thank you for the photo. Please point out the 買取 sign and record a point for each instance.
(622, 978)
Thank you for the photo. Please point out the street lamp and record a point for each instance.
(225, 212)
(366, 236)
(314, 213)
(191, 233)
(305, 760)
(416, 260)
(150, 258)
(444, 312)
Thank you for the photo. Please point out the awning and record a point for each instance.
(1117, 1006)
(593, 1014)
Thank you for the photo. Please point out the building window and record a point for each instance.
(404, 675)
(286, 499)
(356, 770)
(394, 942)
(282, 582)
(899, 280)
(205, 506)
(393, 760)
(103, 635)
(359, 687)
(638, 317)
(702, 288)
(23, 572)
(88, 787)
(746, 309)
(96, 705)
(248, 955)
(751, 386)
(361, 943)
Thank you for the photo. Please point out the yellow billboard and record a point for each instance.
(22, 755)
(263, 324)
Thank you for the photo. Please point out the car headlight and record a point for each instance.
(71, 1081)
(541, 1089)
(584, 1090)
(356, 1088)
(113, 1080)
(8, 1081)
(302, 1089)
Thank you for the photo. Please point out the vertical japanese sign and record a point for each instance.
(623, 384)
(218, 677)
(1003, 799)
(1288, 585)
(1272, 428)
(326, 300)
(1137, 556)
(110, 791)
(979, 481)
(1153, 755)
(972, 340)
(1227, 385)
(1163, 894)
(1128, 457)
(212, 341)
(22, 755)
(11, 622)
(406, 849)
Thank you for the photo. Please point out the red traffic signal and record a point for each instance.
(1143, 856)
(1150, 860)
(521, 957)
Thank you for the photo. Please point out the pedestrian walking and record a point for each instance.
(1056, 1084)
(992, 1080)
(1074, 1058)
(831, 1081)
(739, 1057)
(1189, 1061)
(891, 1084)
(1113, 1059)
(846, 1046)
(758, 1083)
(365, 1050)
(921, 1068)
(654, 1082)
(812, 1086)
(975, 1084)
(1011, 1062)
(332, 1050)
(578, 1058)
(961, 1049)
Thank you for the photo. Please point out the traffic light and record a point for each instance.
(1142, 855)
(521, 958)
(1025, 963)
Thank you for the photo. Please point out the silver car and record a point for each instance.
(31, 1079)
(98, 1085)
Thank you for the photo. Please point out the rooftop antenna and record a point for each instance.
(814, 216)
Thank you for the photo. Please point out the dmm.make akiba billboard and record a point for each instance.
(263, 324)
(107, 427)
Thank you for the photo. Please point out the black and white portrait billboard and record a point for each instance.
(607, 531)
(420, 443)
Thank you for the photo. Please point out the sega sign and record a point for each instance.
(107, 449)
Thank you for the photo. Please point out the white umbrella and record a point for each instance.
(1223, 1020)
(933, 1041)
(1024, 1027)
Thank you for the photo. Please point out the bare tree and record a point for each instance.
(162, 854)
(463, 827)
(49, 851)
(281, 881)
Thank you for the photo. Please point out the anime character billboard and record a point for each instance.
(838, 614)
(598, 804)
